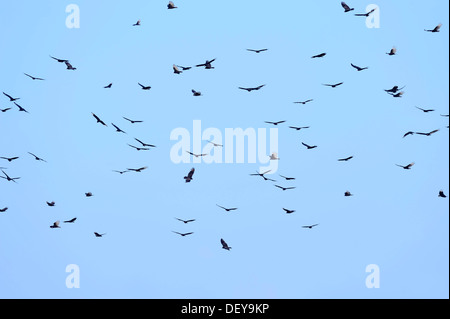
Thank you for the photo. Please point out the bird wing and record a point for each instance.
(345, 6)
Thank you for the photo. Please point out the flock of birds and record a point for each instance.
(396, 92)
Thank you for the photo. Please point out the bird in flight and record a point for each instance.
(428, 134)
(34, 78)
(51, 204)
(257, 51)
(139, 148)
(145, 88)
(321, 55)
(395, 89)
(138, 170)
(196, 155)
(227, 209)
(358, 68)
(5, 110)
(425, 110)
(37, 158)
(252, 89)
(196, 93)
(98, 119)
(346, 7)
(274, 157)
(132, 121)
(298, 128)
(118, 130)
(224, 245)
(436, 29)
(190, 175)
(55, 225)
(9, 179)
(108, 86)
(138, 23)
(311, 226)
(99, 235)
(89, 194)
(207, 64)
(392, 52)
(309, 147)
(345, 159)
(3, 210)
(183, 234)
(70, 221)
(215, 144)
(398, 95)
(176, 70)
(408, 133)
(171, 5)
(69, 66)
(441, 194)
(59, 60)
(288, 178)
(11, 99)
(334, 85)
(10, 159)
(284, 188)
(275, 123)
(21, 109)
(445, 115)
(348, 194)
(262, 175)
(186, 221)
(304, 102)
(145, 144)
(365, 14)
(407, 167)
(288, 211)
(121, 172)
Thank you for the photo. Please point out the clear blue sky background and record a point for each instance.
(395, 219)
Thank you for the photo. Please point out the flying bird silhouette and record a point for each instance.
(196, 155)
(309, 147)
(428, 134)
(34, 78)
(257, 51)
(275, 123)
(397, 95)
(69, 66)
(288, 178)
(407, 167)
(321, 55)
(215, 144)
(171, 5)
(263, 176)
(184, 68)
(395, 89)
(436, 29)
(185, 221)
(207, 64)
(99, 120)
(358, 68)
(21, 109)
(10, 159)
(252, 89)
(121, 172)
(138, 170)
(37, 158)
(311, 226)
(334, 85)
(288, 211)
(144, 144)
(365, 14)
(9, 179)
(118, 130)
(51, 204)
(108, 86)
(3, 210)
(11, 99)
(425, 110)
(284, 188)
(224, 245)
(89, 194)
(392, 52)
(190, 175)
(345, 159)
(132, 121)
(5, 110)
(138, 23)
(55, 225)
(196, 93)
(139, 148)
(99, 235)
(348, 194)
(304, 102)
(70, 221)
(408, 133)
(442, 194)
(59, 60)
(183, 234)
(145, 88)
(346, 7)
(274, 157)
(176, 70)
(227, 209)
(298, 128)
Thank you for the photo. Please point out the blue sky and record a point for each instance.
(395, 220)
